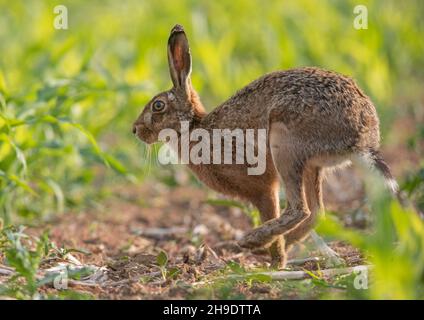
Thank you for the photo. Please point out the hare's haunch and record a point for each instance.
(314, 119)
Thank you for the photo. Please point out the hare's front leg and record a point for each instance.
(269, 207)
(289, 159)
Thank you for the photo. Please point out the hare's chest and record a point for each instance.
(211, 176)
(222, 178)
(233, 180)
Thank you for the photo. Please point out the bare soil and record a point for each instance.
(128, 232)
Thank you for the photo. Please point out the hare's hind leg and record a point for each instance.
(312, 178)
(289, 159)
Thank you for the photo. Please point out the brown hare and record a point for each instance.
(313, 118)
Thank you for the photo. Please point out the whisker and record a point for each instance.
(144, 157)
(157, 158)
(149, 159)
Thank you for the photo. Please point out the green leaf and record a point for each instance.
(60, 197)
(19, 153)
(235, 267)
(2, 102)
(260, 277)
(173, 272)
(19, 182)
(162, 259)
(115, 164)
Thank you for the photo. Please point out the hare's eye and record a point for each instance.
(158, 106)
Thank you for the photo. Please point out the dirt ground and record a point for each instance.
(128, 233)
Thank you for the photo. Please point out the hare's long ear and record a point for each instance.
(179, 58)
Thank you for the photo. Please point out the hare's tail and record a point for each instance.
(378, 163)
(374, 159)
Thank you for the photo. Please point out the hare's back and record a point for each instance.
(303, 97)
(316, 91)
(320, 105)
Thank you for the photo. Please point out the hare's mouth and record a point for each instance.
(147, 139)
(146, 135)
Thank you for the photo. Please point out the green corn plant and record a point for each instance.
(394, 247)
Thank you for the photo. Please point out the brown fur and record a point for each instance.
(315, 119)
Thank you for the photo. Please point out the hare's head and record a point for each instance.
(181, 103)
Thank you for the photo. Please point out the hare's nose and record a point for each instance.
(134, 129)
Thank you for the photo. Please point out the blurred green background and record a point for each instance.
(102, 70)
(68, 97)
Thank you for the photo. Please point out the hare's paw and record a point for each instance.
(278, 254)
(256, 238)
(332, 259)
(270, 230)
